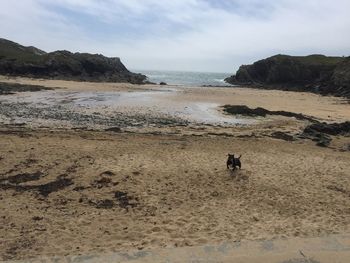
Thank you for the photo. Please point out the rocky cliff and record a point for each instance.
(17, 60)
(315, 73)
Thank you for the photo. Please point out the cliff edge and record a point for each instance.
(18, 60)
(315, 73)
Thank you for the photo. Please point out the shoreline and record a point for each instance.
(198, 105)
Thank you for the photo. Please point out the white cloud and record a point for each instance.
(183, 34)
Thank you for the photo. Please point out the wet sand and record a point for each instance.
(196, 104)
(71, 192)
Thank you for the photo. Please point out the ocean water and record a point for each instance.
(186, 78)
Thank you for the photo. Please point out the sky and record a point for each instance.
(185, 35)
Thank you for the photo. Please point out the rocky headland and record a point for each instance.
(315, 73)
(18, 60)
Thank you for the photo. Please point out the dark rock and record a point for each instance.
(124, 200)
(252, 135)
(54, 186)
(320, 132)
(330, 129)
(43, 189)
(22, 178)
(162, 83)
(323, 142)
(17, 60)
(315, 73)
(103, 182)
(316, 135)
(283, 136)
(119, 194)
(79, 188)
(341, 79)
(114, 129)
(11, 88)
(149, 82)
(214, 194)
(244, 110)
(104, 204)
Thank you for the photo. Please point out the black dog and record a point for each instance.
(232, 162)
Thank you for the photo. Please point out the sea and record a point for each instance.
(186, 78)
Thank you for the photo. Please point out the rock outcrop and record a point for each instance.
(321, 132)
(17, 60)
(12, 88)
(246, 111)
(329, 128)
(315, 73)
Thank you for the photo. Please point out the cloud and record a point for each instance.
(204, 35)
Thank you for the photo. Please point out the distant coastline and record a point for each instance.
(186, 78)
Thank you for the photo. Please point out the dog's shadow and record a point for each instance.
(238, 175)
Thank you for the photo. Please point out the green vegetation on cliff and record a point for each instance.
(314, 73)
(17, 60)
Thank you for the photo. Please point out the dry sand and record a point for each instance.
(179, 191)
(81, 192)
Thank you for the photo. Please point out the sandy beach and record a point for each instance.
(68, 187)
